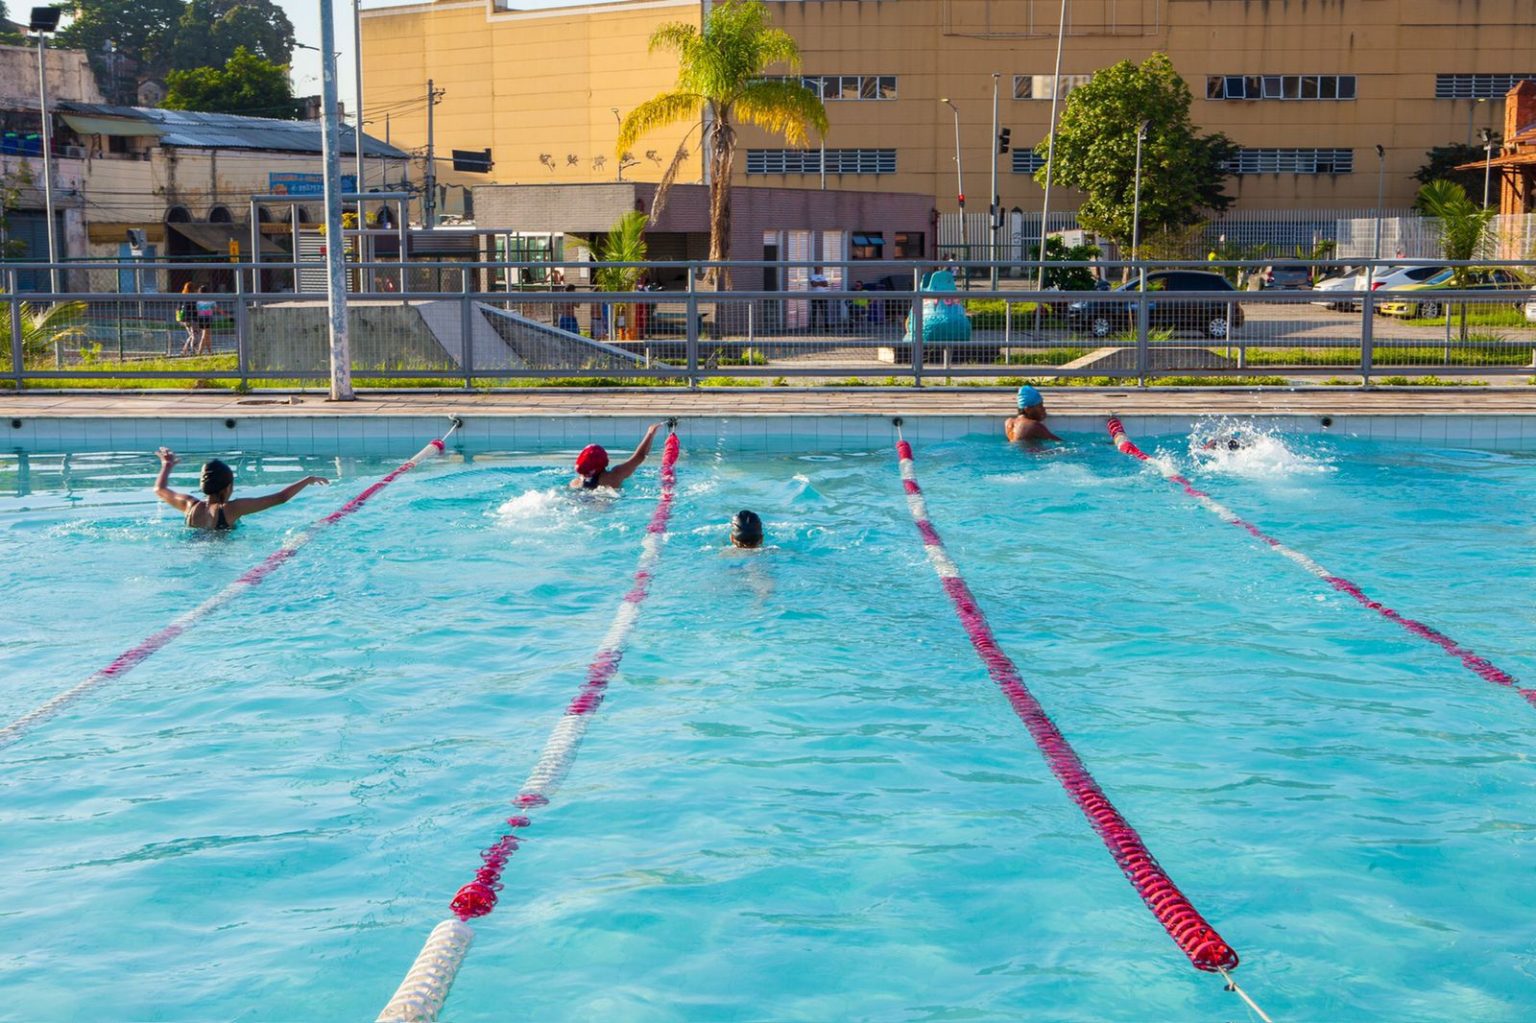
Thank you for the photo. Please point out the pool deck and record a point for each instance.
(820, 401)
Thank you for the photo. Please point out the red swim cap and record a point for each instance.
(592, 460)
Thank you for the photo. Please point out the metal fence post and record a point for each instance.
(691, 332)
(1143, 317)
(18, 353)
(466, 331)
(242, 333)
(915, 318)
(1367, 337)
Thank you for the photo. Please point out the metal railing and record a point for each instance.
(444, 325)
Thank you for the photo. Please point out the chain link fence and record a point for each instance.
(443, 325)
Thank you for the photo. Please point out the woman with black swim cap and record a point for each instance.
(746, 530)
(215, 510)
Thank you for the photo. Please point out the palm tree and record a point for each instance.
(1462, 226)
(720, 78)
(44, 327)
(625, 244)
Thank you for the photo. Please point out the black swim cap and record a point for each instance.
(747, 528)
(216, 477)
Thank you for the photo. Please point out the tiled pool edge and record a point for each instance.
(383, 435)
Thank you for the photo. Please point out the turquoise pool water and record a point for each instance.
(803, 799)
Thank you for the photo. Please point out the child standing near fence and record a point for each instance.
(205, 310)
(186, 315)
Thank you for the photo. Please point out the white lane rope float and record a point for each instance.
(1478, 665)
(421, 994)
(133, 656)
(1196, 938)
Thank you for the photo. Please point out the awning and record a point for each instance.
(87, 125)
(216, 238)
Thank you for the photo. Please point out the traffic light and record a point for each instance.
(1002, 139)
(473, 161)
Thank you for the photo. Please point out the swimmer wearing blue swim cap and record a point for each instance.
(1029, 423)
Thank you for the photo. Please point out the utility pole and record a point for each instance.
(1050, 162)
(995, 206)
(429, 197)
(357, 117)
(45, 20)
(335, 239)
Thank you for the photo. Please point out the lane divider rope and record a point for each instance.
(421, 994)
(133, 656)
(1479, 666)
(1189, 930)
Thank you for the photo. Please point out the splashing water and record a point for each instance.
(1240, 447)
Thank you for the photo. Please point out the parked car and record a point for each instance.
(1530, 311)
(1419, 301)
(1286, 276)
(1117, 311)
(1349, 278)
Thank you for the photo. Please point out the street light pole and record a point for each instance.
(43, 24)
(1487, 162)
(1381, 192)
(1141, 136)
(993, 206)
(335, 240)
(357, 82)
(965, 240)
(1050, 163)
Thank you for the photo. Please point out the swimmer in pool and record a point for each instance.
(1029, 424)
(592, 469)
(215, 510)
(746, 530)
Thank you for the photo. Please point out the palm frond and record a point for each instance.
(675, 36)
(783, 108)
(659, 200)
(657, 112)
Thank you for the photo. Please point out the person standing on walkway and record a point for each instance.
(206, 307)
(186, 315)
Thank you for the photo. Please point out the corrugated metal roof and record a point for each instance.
(196, 129)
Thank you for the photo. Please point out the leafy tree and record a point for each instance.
(1462, 226)
(720, 76)
(8, 35)
(1067, 278)
(1182, 172)
(209, 31)
(247, 84)
(1440, 164)
(142, 31)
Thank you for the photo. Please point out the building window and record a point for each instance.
(808, 161)
(1477, 86)
(1294, 87)
(866, 245)
(910, 245)
(1292, 161)
(1027, 161)
(1042, 86)
(844, 87)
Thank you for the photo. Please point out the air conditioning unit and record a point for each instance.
(74, 152)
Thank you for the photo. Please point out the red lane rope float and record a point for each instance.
(1197, 939)
(133, 656)
(1479, 666)
(426, 985)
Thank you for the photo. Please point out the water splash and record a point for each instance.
(1229, 446)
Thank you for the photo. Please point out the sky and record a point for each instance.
(305, 15)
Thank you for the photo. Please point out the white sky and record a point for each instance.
(305, 15)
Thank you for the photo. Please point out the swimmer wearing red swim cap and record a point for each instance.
(592, 466)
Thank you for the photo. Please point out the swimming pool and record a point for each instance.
(803, 799)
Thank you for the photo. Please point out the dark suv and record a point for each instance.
(1102, 317)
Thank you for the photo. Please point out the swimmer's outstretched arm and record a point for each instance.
(181, 502)
(247, 505)
(621, 472)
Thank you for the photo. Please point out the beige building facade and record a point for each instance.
(1307, 88)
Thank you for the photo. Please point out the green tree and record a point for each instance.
(1182, 172)
(8, 35)
(1066, 278)
(1440, 164)
(246, 84)
(141, 33)
(720, 76)
(209, 31)
(1462, 226)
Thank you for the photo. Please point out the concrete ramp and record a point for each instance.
(386, 335)
(541, 346)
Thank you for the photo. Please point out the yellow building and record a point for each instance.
(1307, 88)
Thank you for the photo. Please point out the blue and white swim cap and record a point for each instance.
(1029, 397)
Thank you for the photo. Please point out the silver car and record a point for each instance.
(1386, 277)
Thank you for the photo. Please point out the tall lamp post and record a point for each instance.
(45, 22)
(335, 240)
(357, 83)
(1487, 135)
(965, 238)
(1381, 193)
(994, 204)
(1141, 136)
